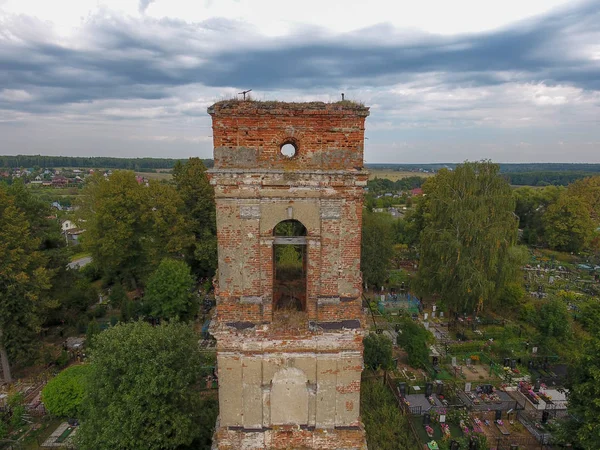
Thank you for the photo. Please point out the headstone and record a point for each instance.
(440, 388)
(454, 361)
(506, 362)
(433, 308)
(383, 297)
(498, 414)
(530, 364)
(472, 443)
(402, 389)
(426, 325)
(425, 316)
(442, 418)
(441, 313)
(467, 387)
(433, 314)
(534, 350)
(545, 415)
(435, 360)
(426, 419)
(428, 389)
(536, 386)
(513, 363)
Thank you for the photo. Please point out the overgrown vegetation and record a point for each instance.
(386, 427)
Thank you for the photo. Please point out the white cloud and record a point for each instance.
(15, 95)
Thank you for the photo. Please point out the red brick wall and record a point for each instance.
(327, 136)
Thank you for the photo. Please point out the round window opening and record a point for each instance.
(288, 150)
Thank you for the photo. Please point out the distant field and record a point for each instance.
(394, 175)
(155, 176)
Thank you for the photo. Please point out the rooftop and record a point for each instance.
(344, 107)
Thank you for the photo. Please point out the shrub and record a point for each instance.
(63, 395)
(378, 352)
(414, 339)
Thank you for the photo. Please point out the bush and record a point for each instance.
(63, 359)
(63, 395)
(117, 295)
(554, 319)
(16, 419)
(378, 352)
(386, 427)
(414, 339)
(92, 330)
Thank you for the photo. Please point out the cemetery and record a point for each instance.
(490, 375)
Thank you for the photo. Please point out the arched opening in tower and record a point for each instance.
(289, 265)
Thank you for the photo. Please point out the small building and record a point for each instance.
(68, 225)
(60, 182)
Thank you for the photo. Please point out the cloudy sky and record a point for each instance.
(510, 80)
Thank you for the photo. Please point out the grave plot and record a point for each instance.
(502, 431)
(487, 397)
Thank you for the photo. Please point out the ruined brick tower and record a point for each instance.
(288, 180)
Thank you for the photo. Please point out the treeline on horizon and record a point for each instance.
(93, 162)
(589, 168)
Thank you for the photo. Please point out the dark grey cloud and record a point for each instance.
(123, 58)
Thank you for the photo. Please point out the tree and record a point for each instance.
(169, 291)
(584, 391)
(469, 227)
(23, 277)
(554, 320)
(588, 190)
(93, 329)
(378, 352)
(568, 223)
(414, 339)
(114, 209)
(141, 390)
(168, 233)
(197, 194)
(63, 395)
(376, 248)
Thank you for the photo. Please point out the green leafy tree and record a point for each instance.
(23, 278)
(63, 395)
(93, 329)
(554, 320)
(376, 248)
(378, 352)
(168, 233)
(141, 390)
(169, 291)
(114, 209)
(197, 194)
(414, 339)
(568, 223)
(117, 295)
(580, 429)
(469, 227)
